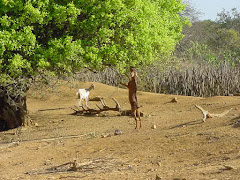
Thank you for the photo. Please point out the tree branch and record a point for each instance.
(206, 114)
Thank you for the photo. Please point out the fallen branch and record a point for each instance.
(81, 110)
(206, 114)
(8, 145)
(88, 111)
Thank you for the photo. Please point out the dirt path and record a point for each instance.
(181, 146)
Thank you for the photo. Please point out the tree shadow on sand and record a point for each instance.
(191, 123)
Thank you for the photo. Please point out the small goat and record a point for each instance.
(132, 87)
(83, 94)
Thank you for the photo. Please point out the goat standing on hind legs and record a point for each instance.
(132, 88)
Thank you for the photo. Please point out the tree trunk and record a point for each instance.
(12, 112)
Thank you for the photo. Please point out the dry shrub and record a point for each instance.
(196, 79)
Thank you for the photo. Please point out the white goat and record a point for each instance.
(83, 94)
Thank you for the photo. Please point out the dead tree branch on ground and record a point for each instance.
(88, 111)
(207, 114)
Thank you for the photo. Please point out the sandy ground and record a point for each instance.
(180, 147)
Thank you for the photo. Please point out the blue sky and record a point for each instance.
(210, 8)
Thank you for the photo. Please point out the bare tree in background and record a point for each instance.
(191, 12)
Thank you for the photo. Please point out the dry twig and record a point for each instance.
(94, 165)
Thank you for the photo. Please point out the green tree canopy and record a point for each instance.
(63, 35)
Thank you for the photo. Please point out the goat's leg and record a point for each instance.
(138, 114)
(134, 113)
(86, 101)
(80, 102)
